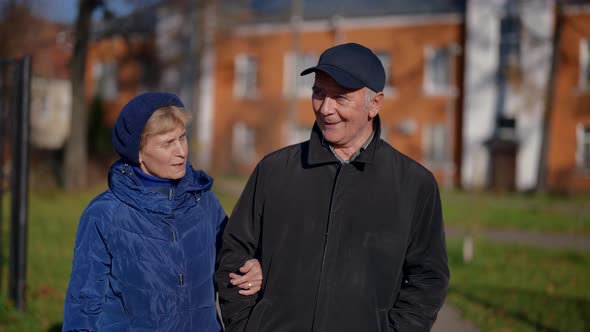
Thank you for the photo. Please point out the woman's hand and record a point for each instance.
(250, 281)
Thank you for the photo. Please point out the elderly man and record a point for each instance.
(348, 230)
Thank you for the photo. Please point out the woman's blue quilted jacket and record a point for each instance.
(144, 259)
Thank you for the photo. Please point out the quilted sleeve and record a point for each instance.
(89, 277)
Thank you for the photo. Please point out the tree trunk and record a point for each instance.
(542, 181)
(201, 40)
(76, 150)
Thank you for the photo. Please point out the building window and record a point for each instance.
(299, 134)
(585, 64)
(406, 126)
(243, 143)
(385, 129)
(436, 148)
(105, 76)
(437, 72)
(386, 60)
(294, 82)
(583, 147)
(246, 76)
(510, 36)
(44, 109)
(509, 53)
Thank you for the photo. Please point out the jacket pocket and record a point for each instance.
(258, 313)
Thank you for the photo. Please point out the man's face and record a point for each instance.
(164, 155)
(343, 115)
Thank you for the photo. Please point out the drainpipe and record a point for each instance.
(293, 111)
(542, 181)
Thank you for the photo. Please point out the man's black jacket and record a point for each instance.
(343, 247)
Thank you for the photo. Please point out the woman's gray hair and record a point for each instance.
(164, 119)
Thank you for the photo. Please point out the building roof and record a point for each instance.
(575, 2)
(280, 10)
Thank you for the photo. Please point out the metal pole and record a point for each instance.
(3, 89)
(454, 50)
(20, 184)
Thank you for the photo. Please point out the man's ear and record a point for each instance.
(375, 105)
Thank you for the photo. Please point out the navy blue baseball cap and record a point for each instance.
(351, 65)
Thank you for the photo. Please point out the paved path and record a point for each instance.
(546, 240)
(450, 320)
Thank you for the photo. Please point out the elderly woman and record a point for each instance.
(145, 250)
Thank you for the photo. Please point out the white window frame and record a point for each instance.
(385, 130)
(299, 134)
(246, 76)
(386, 59)
(584, 78)
(44, 105)
(436, 143)
(583, 147)
(293, 82)
(243, 143)
(107, 79)
(431, 87)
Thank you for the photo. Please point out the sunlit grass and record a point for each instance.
(518, 288)
(540, 213)
(53, 218)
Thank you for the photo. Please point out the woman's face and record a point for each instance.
(164, 155)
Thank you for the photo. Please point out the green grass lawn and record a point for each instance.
(506, 288)
(516, 288)
(53, 219)
(540, 213)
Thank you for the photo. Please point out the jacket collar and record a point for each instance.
(317, 154)
(124, 183)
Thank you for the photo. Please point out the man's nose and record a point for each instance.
(327, 106)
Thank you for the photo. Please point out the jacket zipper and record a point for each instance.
(180, 275)
(320, 285)
(170, 198)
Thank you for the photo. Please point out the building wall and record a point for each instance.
(407, 107)
(525, 92)
(571, 106)
(129, 55)
(49, 45)
(51, 108)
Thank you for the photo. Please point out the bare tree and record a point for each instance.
(542, 185)
(76, 152)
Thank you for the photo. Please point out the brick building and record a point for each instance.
(463, 79)
(568, 167)
(261, 104)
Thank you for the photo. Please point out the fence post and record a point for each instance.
(20, 169)
(3, 88)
